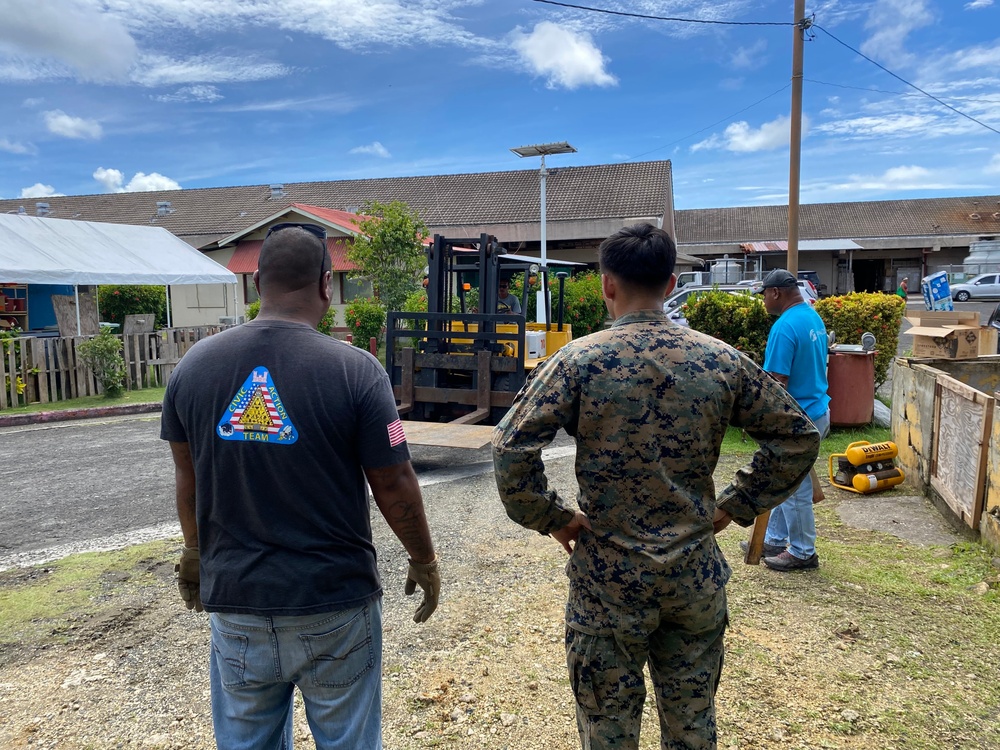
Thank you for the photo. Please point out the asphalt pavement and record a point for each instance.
(108, 482)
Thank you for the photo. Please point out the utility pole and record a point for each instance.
(795, 139)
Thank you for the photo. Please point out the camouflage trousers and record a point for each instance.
(607, 647)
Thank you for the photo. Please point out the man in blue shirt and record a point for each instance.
(796, 357)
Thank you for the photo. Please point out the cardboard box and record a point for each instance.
(945, 335)
(988, 336)
(937, 292)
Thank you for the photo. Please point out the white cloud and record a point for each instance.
(350, 24)
(160, 70)
(96, 44)
(59, 123)
(375, 148)
(751, 57)
(994, 166)
(199, 93)
(898, 178)
(567, 59)
(112, 181)
(876, 127)
(741, 138)
(981, 56)
(891, 22)
(12, 147)
(977, 4)
(32, 102)
(38, 190)
(338, 104)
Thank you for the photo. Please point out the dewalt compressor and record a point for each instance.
(866, 467)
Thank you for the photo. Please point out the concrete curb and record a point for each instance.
(43, 417)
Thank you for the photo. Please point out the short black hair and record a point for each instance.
(291, 259)
(641, 255)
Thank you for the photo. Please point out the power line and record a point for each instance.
(662, 18)
(718, 122)
(911, 85)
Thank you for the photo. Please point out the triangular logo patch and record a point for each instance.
(256, 413)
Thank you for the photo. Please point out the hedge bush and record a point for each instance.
(738, 319)
(366, 319)
(326, 324)
(850, 315)
(115, 301)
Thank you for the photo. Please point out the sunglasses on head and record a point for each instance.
(316, 231)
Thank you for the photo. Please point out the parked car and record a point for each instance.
(673, 306)
(813, 278)
(984, 285)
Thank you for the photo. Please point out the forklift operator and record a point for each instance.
(507, 302)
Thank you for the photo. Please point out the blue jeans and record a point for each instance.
(334, 658)
(793, 524)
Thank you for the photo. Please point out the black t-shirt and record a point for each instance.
(280, 420)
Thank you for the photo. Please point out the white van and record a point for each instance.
(699, 278)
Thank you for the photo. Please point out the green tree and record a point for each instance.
(115, 301)
(389, 251)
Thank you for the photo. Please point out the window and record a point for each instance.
(351, 289)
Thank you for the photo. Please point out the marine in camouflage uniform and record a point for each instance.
(648, 404)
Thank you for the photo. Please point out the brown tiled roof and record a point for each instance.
(817, 221)
(573, 193)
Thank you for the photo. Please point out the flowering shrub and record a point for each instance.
(366, 319)
(851, 315)
(116, 301)
(738, 319)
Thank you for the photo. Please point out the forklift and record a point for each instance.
(456, 366)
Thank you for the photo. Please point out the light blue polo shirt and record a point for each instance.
(797, 347)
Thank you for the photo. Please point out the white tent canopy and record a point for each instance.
(37, 250)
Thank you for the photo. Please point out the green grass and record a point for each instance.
(145, 396)
(736, 442)
(63, 591)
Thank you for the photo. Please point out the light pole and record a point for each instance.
(543, 150)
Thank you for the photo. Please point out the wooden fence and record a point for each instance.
(45, 370)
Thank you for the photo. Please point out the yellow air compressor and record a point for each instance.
(866, 467)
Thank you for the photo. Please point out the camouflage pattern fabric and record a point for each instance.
(606, 649)
(648, 403)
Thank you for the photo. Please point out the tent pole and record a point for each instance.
(76, 294)
(235, 303)
(168, 306)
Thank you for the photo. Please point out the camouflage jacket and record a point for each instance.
(648, 403)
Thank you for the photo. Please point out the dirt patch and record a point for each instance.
(888, 645)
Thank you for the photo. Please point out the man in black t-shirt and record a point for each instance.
(274, 429)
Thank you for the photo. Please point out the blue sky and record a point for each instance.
(115, 95)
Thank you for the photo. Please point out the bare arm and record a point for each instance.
(184, 487)
(397, 495)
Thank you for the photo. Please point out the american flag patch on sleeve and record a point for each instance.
(396, 434)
